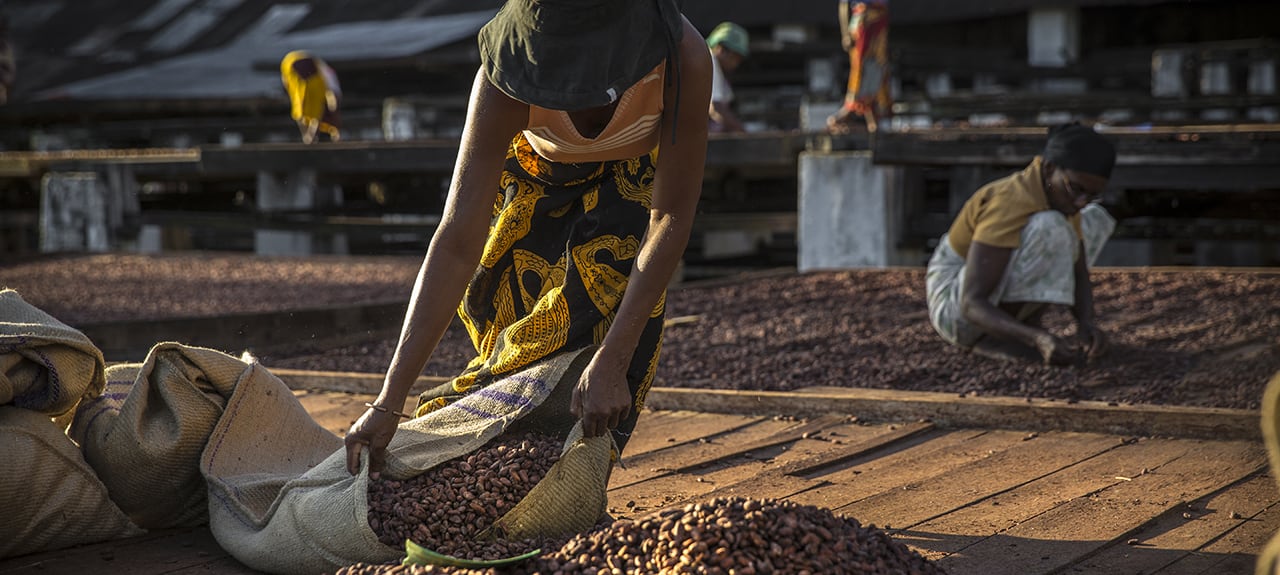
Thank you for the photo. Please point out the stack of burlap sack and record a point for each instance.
(193, 436)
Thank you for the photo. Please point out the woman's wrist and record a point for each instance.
(385, 409)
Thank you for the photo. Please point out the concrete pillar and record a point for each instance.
(822, 75)
(938, 84)
(73, 213)
(1215, 80)
(1167, 73)
(123, 207)
(231, 139)
(1262, 81)
(281, 192)
(1262, 77)
(813, 115)
(295, 191)
(1053, 36)
(850, 215)
(399, 120)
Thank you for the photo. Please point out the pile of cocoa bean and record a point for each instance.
(724, 536)
(446, 508)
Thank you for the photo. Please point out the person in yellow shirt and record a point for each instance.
(1023, 243)
(314, 95)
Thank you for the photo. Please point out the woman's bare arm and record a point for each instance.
(602, 398)
(984, 268)
(493, 119)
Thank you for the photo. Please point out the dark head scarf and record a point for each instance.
(1079, 148)
(577, 54)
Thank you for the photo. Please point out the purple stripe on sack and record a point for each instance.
(105, 396)
(12, 347)
(474, 411)
(48, 392)
(505, 397)
(540, 384)
(108, 409)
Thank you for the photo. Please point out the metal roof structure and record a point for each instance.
(245, 67)
(212, 49)
(217, 49)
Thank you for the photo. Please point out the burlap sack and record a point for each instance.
(1269, 559)
(570, 499)
(145, 435)
(45, 366)
(274, 514)
(50, 497)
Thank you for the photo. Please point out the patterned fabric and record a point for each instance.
(868, 89)
(633, 131)
(554, 269)
(1042, 269)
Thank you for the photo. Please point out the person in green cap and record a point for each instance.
(572, 199)
(729, 45)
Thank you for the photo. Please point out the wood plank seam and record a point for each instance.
(796, 468)
(642, 458)
(1174, 510)
(784, 437)
(992, 494)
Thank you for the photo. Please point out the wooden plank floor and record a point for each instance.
(979, 501)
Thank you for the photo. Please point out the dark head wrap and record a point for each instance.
(1079, 148)
(576, 54)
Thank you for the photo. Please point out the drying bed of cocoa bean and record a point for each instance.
(117, 287)
(1202, 337)
(1206, 338)
(722, 536)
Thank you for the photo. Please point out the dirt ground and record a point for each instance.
(1185, 337)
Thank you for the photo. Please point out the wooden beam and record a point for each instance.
(1201, 147)
(361, 157)
(945, 410)
(948, 410)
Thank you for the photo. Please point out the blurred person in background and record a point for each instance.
(314, 95)
(8, 66)
(864, 34)
(1021, 244)
(730, 45)
(571, 204)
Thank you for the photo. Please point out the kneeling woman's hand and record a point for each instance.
(601, 399)
(373, 431)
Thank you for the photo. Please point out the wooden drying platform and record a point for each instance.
(943, 474)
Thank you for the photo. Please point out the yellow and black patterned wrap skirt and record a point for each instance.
(561, 245)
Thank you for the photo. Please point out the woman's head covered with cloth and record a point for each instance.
(576, 54)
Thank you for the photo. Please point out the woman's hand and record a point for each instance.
(1095, 340)
(1054, 350)
(601, 398)
(373, 431)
